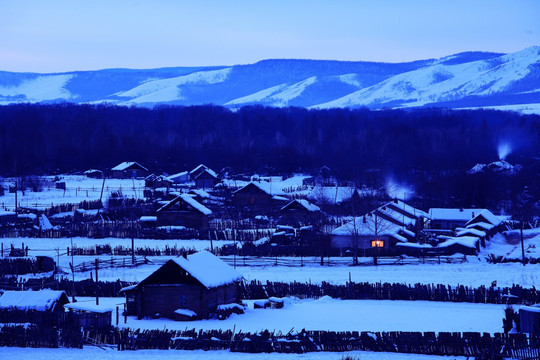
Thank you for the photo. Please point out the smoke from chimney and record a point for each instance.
(503, 150)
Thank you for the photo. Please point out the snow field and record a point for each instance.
(91, 353)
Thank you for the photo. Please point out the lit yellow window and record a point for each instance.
(377, 243)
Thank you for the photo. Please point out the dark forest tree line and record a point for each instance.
(65, 137)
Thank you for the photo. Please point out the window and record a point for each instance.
(183, 300)
(377, 243)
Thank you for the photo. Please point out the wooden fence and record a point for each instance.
(469, 344)
(354, 291)
(394, 291)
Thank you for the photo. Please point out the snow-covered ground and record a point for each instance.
(473, 273)
(355, 315)
(336, 315)
(96, 353)
(476, 271)
(78, 188)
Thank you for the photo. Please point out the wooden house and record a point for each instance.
(485, 221)
(185, 288)
(300, 212)
(157, 181)
(450, 219)
(258, 195)
(206, 179)
(183, 210)
(179, 178)
(198, 170)
(380, 230)
(128, 170)
(94, 174)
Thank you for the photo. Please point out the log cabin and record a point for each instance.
(185, 288)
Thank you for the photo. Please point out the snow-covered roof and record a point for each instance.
(190, 201)
(209, 172)
(204, 167)
(481, 225)
(453, 214)
(44, 223)
(359, 227)
(467, 241)
(93, 171)
(195, 204)
(279, 198)
(476, 168)
(201, 193)
(208, 269)
(400, 238)
(126, 165)
(89, 306)
(148, 218)
(304, 203)
(487, 215)
(468, 231)
(183, 175)
(415, 245)
(267, 187)
(42, 300)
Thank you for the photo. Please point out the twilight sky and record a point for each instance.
(66, 35)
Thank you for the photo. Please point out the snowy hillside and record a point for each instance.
(466, 80)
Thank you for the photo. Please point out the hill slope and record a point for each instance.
(461, 80)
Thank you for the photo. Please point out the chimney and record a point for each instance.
(472, 215)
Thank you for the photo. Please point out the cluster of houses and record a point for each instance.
(393, 228)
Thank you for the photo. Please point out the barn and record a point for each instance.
(185, 288)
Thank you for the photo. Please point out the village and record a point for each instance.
(129, 259)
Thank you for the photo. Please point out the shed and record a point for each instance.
(193, 285)
(90, 315)
(129, 169)
(183, 210)
(529, 318)
(42, 300)
(43, 307)
(94, 174)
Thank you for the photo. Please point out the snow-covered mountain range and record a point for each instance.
(471, 79)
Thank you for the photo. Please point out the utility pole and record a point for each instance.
(132, 246)
(72, 274)
(524, 260)
(97, 279)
